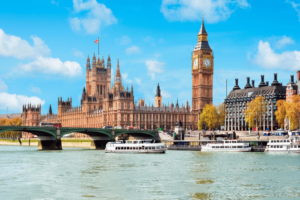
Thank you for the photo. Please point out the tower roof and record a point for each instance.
(202, 29)
(158, 91)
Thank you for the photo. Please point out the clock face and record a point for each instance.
(195, 64)
(206, 62)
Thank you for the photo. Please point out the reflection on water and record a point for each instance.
(26, 173)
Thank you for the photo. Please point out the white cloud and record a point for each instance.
(125, 78)
(267, 58)
(150, 40)
(77, 53)
(138, 81)
(11, 45)
(3, 86)
(97, 15)
(133, 50)
(284, 41)
(295, 6)
(48, 65)
(191, 10)
(124, 40)
(34, 89)
(54, 2)
(166, 94)
(15, 102)
(154, 67)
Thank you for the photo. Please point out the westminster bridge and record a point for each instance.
(50, 137)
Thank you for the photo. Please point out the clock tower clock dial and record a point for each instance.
(202, 75)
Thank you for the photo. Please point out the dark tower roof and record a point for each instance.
(202, 29)
(50, 110)
(158, 91)
(177, 105)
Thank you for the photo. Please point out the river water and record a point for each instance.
(74, 173)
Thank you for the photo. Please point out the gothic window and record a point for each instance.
(94, 107)
(128, 118)
(122, 106)
(118, 78)
(128, 106)
(159, 103)
(89, 108)
(100, 89)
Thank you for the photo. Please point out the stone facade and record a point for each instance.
(103, 105)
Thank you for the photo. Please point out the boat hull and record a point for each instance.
(136, 151)
(226, 150)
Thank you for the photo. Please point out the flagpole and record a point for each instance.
(98, 46)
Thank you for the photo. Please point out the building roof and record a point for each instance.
(277, 91)
(202, 29)
(10, 116)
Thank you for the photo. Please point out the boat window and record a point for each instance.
(277, 140)
(146, 148)
(271, 146)
(281, 140)
(295, 146)
(140, 148)
(128, 142)
(226, 146)
(127, 148)
(135, 142)
(217, 146)
(284, 140)
(277, 146)
(233, 146)
(121, 147)
(157, 147)
(213, 147)
(281, 146)
(226, 141)
(271, 141)
(233, 141)
(153, 147)
(140, 142)
(239, 147)
(130, 148)
(222, 147)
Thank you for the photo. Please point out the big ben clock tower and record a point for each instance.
(202, 75)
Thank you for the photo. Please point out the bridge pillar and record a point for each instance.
(98, 144)
(50, 145)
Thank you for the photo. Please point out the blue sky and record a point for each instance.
(44, 45)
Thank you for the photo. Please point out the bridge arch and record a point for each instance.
(39, 131)
(119, 132)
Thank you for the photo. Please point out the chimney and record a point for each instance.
(267, 83)
(292, 78)
(298, 75)
(262, 82)
(236, 87)
(253, 83)
(248, 83)
(275, 82)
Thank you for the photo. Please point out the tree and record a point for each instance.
(280, 113)
(255, 111)
(208, 117)
(221, 108)
(293, 111)
(17, 121)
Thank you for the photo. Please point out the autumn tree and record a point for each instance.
(208, 117)
(221, 108)
(16, 121)
(293, 111)
(255, 111)
(280, 113)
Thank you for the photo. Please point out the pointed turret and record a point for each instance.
(202, 43)
(108, 62)
(94, 61)
(50, 110)
(88, 64)
(177, 105)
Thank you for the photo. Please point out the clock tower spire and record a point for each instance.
(202, 75)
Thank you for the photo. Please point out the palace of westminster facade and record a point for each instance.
(103, 105)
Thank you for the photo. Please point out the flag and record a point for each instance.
(96, 41)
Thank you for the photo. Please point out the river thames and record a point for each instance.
(75, 173)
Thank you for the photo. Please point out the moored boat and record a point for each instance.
(227, 145)
(287, 145)
(135, 146)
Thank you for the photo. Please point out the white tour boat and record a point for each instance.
(288, 145)
(227, 145)
(135, 146)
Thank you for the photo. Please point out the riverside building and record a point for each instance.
(238, 98)
(107, 104)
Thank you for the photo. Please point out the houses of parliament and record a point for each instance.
(104, 104)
